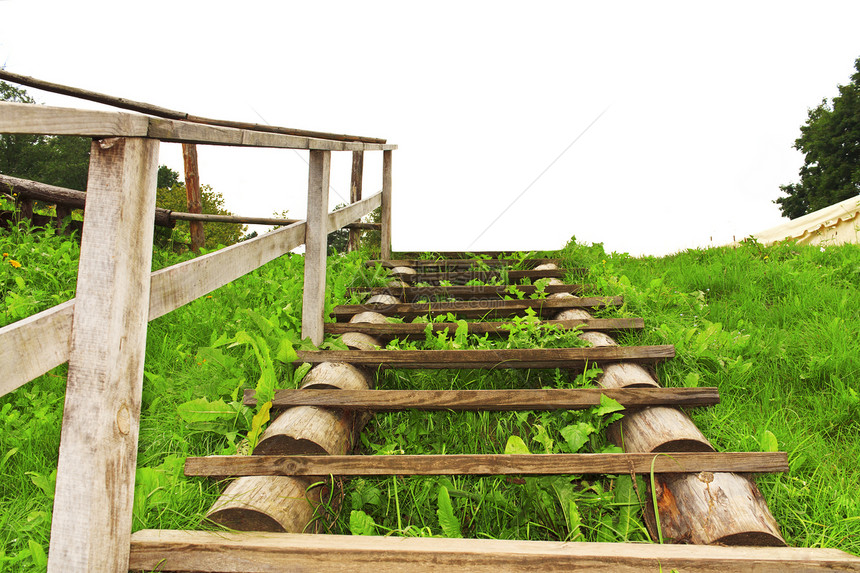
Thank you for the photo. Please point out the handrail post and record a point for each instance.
(385, 240)
(316, 246)
(355, 194)
(91, 527)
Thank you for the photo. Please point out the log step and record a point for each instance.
(457, 263)
(487, 400)
(417, 329)
(477, 309)
(466, 276)
(486, 464)
(574, 358)
(409, 294)
(223, 552)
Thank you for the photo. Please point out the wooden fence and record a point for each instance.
(102, 331)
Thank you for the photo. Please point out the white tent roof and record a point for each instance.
(834, 225)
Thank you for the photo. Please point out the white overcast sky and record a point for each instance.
(701, 104)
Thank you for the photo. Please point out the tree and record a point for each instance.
(57, 160)
(830, 140)
(171, 195)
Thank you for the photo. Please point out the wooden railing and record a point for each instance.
(102, 331)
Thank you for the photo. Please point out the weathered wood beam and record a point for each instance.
(355, 183)
(487, 464)
(385, 239)
(316, 247)
(487, 400)
(92, 517)
(149, 109)
(226, 552)
(418, 330)
(478, 308)
(491, 358)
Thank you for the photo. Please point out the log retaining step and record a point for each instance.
(487, 400)
(487, 464)
(544, 307)
(574, 358)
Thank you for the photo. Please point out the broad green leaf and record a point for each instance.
(516, 445)
(542, 437)
(628, 506)
(691, 380)
(450, 524)
(769, 442)
(299, 375)
(576, 435)
(608, 405)
(202, 410)
(360, 523)
(257, 423)
(286, 353)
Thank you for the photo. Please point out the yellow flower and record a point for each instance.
(5, 255)
(15, 263)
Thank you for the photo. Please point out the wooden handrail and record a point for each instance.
(49, 120)
(154, 110)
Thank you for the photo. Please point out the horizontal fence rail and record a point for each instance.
(47, 120)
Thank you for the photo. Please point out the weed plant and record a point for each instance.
(775, 328)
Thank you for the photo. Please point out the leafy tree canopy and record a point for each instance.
(830, 140)
(56, 160)
(171, 194)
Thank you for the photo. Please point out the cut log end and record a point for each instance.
(361, 341)
(712, 508)
(280, 504)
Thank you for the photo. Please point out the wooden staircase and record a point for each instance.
(740, 534)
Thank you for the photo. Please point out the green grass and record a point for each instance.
(775, 329)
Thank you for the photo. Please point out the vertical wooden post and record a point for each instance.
(385, 242)
(63, 211)
(192, 191)
(25, 209)
(91, 527)
(355, 194)
(316, 246)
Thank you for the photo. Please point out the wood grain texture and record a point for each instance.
(180, 284)
(385, 238)
(455, 263)
(149, 109)
(477, 308)
(356, 180)
(92, 518)
(187, 132)
(482, 275)
(32, 346)
(192, 193)
(316, 248)
(49, 120)
(486, 400)
(352, 213)
(217, 552)
(417, 330)
(709, 507)
(485, 359)
(410, 293)
(487, 464)
(267, 503)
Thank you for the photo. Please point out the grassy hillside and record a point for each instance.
(774, 328)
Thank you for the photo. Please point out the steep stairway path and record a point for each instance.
(336, 400)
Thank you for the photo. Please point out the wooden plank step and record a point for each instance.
(229, 552)
(487, 464)
(477, 308)
(455, 254)
(453, 263)
(417, 329)
(487, 400)
(492, 358)
(465, 276)
(409, 294)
